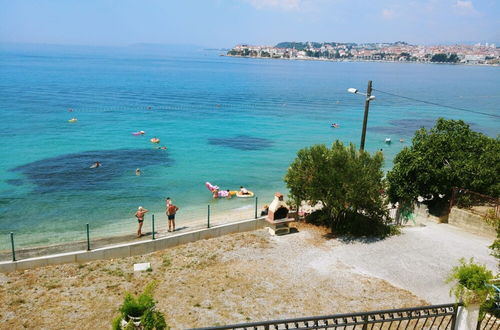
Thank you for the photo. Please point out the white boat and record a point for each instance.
(387, 140)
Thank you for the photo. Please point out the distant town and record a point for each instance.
(399, 51)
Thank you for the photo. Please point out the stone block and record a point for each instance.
(8, 266)
(119, 251)
(31, 263)
(86, 256)
(188, 238)
(61, 259)
(166, 242)
(142, 248)
(209, 233)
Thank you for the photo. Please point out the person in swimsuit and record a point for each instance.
(171, 211)
(140, 219)
(244, 191)
(95, 165)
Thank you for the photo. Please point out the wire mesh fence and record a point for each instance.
(22, 245)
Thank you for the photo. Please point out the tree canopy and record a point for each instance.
(449, 154)
(348, 183)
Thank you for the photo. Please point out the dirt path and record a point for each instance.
(235, 278)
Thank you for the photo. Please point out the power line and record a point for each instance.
(437, 104)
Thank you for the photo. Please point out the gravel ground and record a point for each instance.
(232, 279)
(419, 259)
(247, 277)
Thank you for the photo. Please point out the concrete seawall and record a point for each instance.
(133, 249)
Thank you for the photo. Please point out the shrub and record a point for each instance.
(142, 307)
(471, 282)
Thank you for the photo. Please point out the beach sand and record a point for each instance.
(231, 279)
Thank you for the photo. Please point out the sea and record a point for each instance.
(225, 120)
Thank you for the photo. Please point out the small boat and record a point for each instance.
(387, 140)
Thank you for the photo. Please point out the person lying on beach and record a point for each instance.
(140, 219)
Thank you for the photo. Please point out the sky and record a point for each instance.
(226, 23)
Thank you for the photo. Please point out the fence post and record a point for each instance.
(256, 202)
(466, 317)
(12, 243)
(153, 223)
(365, 322)
(452, 199)
(88, 238)
(208, 216)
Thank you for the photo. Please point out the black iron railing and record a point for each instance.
(489, 322)
(427, 317)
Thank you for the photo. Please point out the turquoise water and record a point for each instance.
(230, 121)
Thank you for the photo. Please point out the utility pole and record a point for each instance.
(365, 119)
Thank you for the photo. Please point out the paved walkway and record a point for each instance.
(418, 260)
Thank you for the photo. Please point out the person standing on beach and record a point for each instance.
(140, 219)
(171, 211)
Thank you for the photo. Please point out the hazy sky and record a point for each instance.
(225, 23)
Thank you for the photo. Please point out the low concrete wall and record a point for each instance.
(133, 249)
(470, 222)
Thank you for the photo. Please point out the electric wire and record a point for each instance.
(437, 104)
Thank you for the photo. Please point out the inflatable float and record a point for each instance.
(250, 194)
(155, 140)
(138, 133)
(220, 193)
(72, 120)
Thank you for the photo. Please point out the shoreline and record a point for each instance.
(354, 60)
(100, 240)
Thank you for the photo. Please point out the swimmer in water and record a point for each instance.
(137, 171)
(162, 148)
(95, 165)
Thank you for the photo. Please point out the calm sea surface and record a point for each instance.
(230, 121)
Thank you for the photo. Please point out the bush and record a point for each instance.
(142, 307)
(471, 282)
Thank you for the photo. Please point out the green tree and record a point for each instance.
(453, 58)
(348, 183)
(449, 154)
(439, 58)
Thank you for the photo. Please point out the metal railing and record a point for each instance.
(426, 317)
(474, 202)
(489, 322)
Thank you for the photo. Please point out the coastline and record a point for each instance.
(126, 234)
(355, 60)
